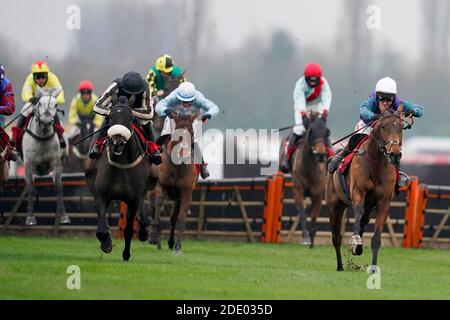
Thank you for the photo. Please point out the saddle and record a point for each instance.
(345, 163)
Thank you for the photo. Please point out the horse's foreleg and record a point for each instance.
(129, 228)
(156, 205)
(173, 222)
(143, 219)
(336, 211)
(365, 219)
(380, 220)
(31, 219)
(316, 203)
(302, 216)
(60, 209)
(185, 205)
(356, 244)
(103, 234)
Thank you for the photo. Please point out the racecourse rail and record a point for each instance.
(246, 209)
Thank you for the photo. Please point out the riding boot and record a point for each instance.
(198, 158)
(294, 140)
(149, 135)
(59, 131)
(336, 160)
(96, 151)
(17, 130)
(12, 155)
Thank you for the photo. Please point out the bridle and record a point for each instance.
(385, 146)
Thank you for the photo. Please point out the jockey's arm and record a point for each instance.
(27, 89)
(73, 114)
(415, 109)
(105, 99)
(151, 82)
(167, 103)
(7, 104)
(326, 97)
(208, 106)
(299, 97)
(54, 83)
(366, 110)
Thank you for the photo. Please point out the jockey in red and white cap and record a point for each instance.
(311, 93)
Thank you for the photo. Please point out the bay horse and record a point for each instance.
(369, 186)
(121, 173)
(309, 175)
(177, 176)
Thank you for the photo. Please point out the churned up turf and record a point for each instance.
(36, 268)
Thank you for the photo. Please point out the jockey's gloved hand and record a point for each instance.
(324, 114)
(375, 116)
(206, 117)
(305, 120)
(34, 100)
(168, 113)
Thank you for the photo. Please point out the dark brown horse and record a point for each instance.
(309, 175)
(170, 84)
(177, 177)
(121, 173)
(371, 182)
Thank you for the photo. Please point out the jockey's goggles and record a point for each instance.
(40, 75)
(85, 91)
(385, 97)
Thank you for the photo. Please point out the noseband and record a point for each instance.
(385, 146)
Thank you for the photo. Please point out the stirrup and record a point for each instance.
(204, 173)
(402, 179)
(334, 163)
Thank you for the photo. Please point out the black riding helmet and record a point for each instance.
(132, 83)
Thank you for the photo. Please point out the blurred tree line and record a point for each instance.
(253, 84)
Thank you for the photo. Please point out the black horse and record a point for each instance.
(121, 173)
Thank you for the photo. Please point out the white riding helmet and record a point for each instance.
(386, 85)
(186, 91)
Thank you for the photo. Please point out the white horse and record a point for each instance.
(42, 153)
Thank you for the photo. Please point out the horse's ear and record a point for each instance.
(123, 100)
(132, 100)
(114, 99)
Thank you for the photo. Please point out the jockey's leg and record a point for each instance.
(198, 158)
(294, 141)
(96, 152)
(336, 160)
(147, 127)
(59, 131)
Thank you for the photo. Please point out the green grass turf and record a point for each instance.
(35, 268)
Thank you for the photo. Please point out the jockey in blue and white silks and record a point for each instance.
(187, 100)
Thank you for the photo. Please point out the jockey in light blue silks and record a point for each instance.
(187, 100)
(384, 97)
(311, 93)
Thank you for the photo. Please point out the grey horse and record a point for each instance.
(42, 153)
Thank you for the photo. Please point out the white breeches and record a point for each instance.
(361, 124)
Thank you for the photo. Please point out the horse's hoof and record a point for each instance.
(143, 235)
(373, 269)
(30, 221)
(177, 253)
(105, 242)
(65, 219)
(359, 250)
(153, 239)
(171, 244)
(311, 246)
(356, 245)
(340, 269)
(126, 256)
